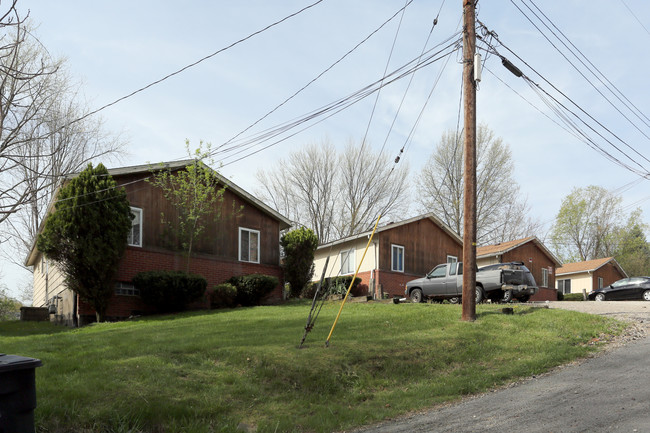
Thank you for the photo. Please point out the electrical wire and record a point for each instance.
(579, 70)
(643, 171)
(135, 92)
(314, 79)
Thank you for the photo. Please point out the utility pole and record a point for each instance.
(469, 175)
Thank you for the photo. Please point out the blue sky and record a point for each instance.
(114, 48)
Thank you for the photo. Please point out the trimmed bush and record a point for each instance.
(223, 296)
(560, 296)
(574, 297)
(169, 291)
(251, 289)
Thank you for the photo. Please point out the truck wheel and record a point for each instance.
(507, 296)
(454, 300)
(524, 298)
(416, 296)
(479, 294)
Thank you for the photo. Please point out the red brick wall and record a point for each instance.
(392, 283)
(545, 294)
(213, 270)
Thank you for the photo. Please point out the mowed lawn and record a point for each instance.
(220, 370)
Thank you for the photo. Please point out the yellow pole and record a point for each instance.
(327, 342)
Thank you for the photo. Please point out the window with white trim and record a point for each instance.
(249, 245)
(347, 262)
(544, 277)
(600, 282)
(397, 258)
(453, 264)
(134, 238)
(126, 289)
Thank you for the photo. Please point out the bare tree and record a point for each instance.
(304, 187)
(370, 185)
(43, 132)
(335, 195)
(501, 212)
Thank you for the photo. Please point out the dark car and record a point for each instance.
(627, 288)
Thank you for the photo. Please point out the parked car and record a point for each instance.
(627, 288)
(500, 282)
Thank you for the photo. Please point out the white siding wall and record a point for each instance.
(334, 265)
(578, 281)
(493, 260)
(48, 282)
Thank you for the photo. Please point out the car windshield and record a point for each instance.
(622, 282)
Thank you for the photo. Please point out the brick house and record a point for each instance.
(532, 252)
(243, 240)
(588, 275)
(399, 252)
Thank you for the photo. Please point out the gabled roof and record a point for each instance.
(392, 225)
(504, 247)
(588, 266)
(173, 165)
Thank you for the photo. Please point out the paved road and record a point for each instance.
(610, 392)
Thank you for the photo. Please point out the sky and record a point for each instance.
(115, 48)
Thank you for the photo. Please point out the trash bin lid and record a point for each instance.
(15, 362)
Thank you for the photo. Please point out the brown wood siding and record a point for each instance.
(425, 246)
(608, 272)
(535, 259)
(219, 239)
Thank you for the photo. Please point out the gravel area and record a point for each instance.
(637, 313)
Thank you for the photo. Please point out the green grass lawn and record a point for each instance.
(211, 371)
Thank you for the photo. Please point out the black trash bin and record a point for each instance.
(17, 393)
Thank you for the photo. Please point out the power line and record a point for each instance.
(196, 62)
(635, 17)
(586, 66)
(313, 79)
(535, 86)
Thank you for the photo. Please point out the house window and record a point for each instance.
(397, 258)
(135, 235)
(544, 277)
(564, 286)
(126, 289)
(453, 263)
(249, 245)
(600, 282)
(347, 262)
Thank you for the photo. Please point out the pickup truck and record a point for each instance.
(500, 282)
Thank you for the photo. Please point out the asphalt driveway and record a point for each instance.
(609, 392)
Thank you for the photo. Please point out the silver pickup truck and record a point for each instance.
(500, 282)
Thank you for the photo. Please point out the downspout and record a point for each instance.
(376, 271)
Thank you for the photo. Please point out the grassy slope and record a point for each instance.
(210, 371)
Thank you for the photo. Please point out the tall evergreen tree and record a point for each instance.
(299, 246)
(87, 233)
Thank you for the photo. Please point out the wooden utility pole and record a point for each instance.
(469, 175)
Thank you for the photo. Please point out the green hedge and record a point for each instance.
(251, 289)
(573, 297)
(223, 296)
(169, 291)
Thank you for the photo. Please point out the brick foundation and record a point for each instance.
(215, 271)
(545, 294)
